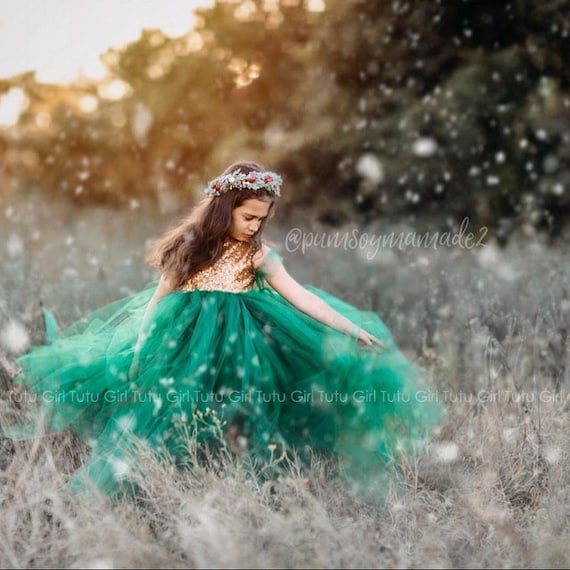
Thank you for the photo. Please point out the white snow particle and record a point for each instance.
(127, 423)
(14, 246)
(14, 337)
(500, 157)
(424, 147)
(446, 452)
(370, 168)
(120, 468)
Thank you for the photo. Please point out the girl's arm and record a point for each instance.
(164, 287)
(315, 307)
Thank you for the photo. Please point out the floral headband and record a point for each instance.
(238, 180)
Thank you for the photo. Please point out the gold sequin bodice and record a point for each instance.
(232, 272)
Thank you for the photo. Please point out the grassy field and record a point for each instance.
(490, 325)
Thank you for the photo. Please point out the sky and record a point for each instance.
(62, 39)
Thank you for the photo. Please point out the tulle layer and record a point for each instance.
(212, 358)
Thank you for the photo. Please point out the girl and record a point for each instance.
(228, 340)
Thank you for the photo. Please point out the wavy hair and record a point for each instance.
(197, 241)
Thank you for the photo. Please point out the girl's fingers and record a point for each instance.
(377, 342)
(369, 340)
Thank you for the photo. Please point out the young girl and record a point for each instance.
(228, 340)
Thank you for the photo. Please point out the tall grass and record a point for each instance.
(493, 489)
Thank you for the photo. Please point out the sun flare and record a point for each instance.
(62, 41)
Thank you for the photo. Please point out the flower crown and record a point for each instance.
(238, 180)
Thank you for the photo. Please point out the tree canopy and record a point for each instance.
(367, 108)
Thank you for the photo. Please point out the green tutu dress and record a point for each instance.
(228, 348)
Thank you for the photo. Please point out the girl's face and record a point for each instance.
(247, 218)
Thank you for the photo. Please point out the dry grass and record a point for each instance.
(497, 503)
(492, 491)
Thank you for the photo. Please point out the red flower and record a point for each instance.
(268, 179)
(252, 178)
(217, 186)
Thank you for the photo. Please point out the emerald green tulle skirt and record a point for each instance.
(211, 359)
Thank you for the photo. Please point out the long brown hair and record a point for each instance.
(197, 241)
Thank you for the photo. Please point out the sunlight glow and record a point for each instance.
(63, 40)
(315, 5)
(88, 103)
(11, 106)
(114, 90)
(245, 11)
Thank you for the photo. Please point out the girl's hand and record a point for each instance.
(366, 339)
